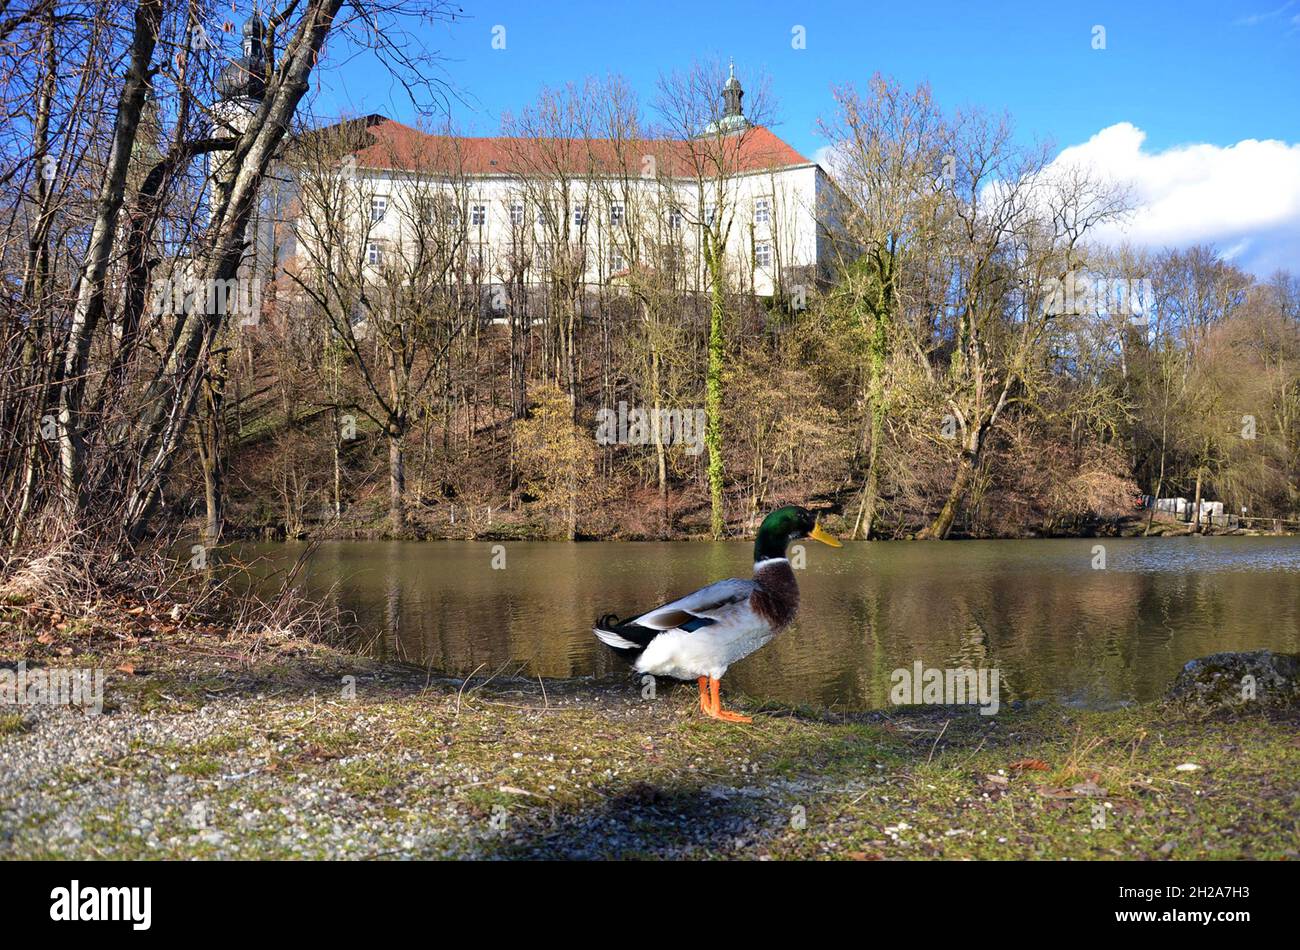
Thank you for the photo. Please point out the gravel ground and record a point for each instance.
(286, 757)
(280, 763)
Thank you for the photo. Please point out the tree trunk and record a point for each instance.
(94, 269)
(171, 396)
(396, 482)
(1160, 484)
(1196, 509)
(211, 426)
(338, 467)
(713, 390)
(960, 483)
(661, 459)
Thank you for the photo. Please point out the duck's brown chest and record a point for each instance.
(776, 598)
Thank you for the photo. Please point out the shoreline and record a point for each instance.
(1120, 530)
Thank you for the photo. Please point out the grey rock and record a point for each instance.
(1239, 681)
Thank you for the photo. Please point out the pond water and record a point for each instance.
(1039, 611)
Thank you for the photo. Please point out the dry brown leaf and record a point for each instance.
(1031, 765)
(127, 668)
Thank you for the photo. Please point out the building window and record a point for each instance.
(616, 214)
(516, 213)
(478, 215)
(710, 212)
(374, 253)
(763, 255)
(579, 216)
(675, 218)
(617, 262)
(378, 208)
(762, 211)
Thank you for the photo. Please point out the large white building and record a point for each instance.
(515, 211)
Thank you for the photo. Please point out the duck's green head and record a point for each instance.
(785, 525)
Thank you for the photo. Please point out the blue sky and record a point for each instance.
(1183, 92)
(1181, 71)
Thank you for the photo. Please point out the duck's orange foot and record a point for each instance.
(704, 694)
(714, 708)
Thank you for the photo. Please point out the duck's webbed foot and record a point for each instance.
(714, 708)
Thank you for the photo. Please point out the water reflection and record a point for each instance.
(1037, 610)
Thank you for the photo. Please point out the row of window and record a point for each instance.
(478, 213)
(617, 262)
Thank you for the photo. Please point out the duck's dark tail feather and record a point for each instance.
(626, 639)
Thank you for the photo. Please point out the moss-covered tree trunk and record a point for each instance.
(878, 354)
(661, 460)
(961, 481)
(713, 385)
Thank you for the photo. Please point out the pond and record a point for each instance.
(1045, 613)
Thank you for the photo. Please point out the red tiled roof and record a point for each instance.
(399, 147)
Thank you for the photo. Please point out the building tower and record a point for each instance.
(242, 84)
(240, 88)
(733, 113)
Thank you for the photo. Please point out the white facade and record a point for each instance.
(769, 218)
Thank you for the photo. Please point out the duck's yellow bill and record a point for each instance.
(817, 534)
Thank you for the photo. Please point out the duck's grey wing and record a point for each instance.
(704, 603)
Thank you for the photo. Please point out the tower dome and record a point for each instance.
(733, 114)
(732, 93)
(245, 78)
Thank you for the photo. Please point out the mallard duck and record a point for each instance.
(698, 636)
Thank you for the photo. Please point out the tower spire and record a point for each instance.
(245, 77)
(732, 93)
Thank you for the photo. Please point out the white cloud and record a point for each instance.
(1243, 198)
